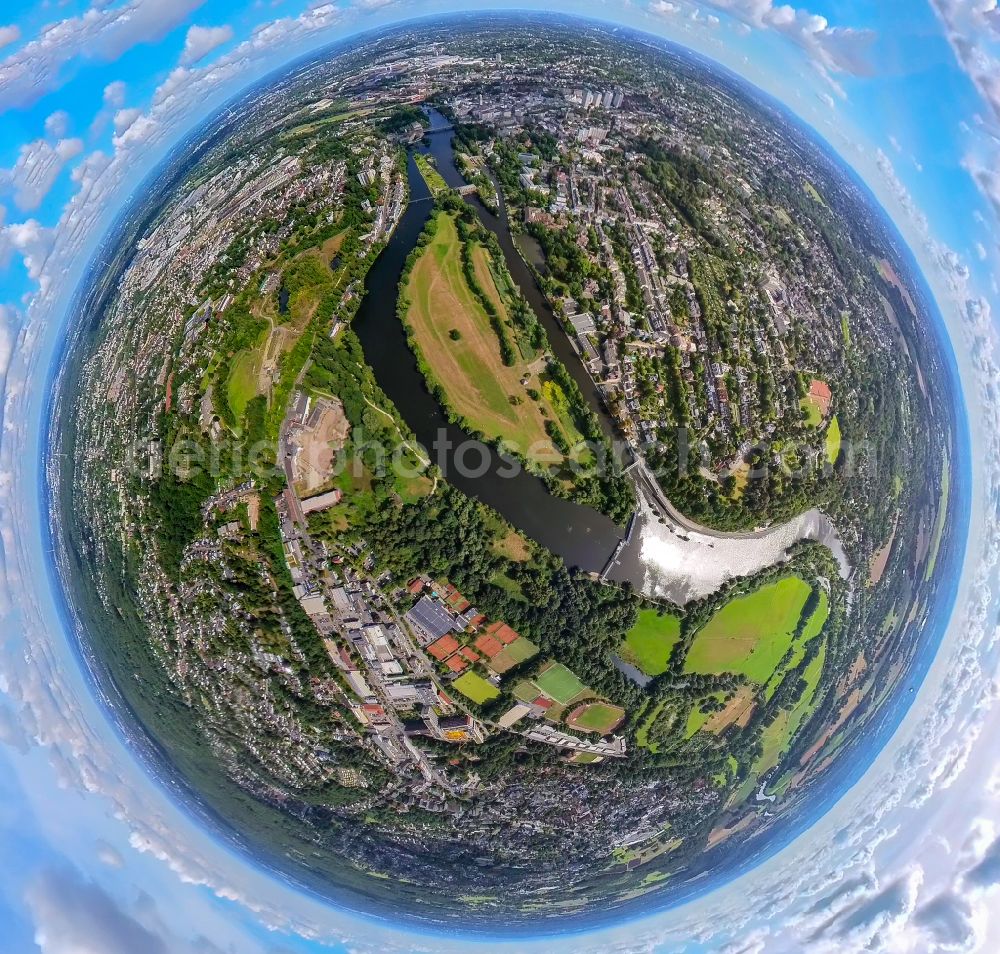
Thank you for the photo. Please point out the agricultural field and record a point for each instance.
(778, 735)
(751, 634)
(649, 643)
(739, 708)
(461, 350)
(474, 687)
(942, 516)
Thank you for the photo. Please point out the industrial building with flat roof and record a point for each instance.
(431, 619)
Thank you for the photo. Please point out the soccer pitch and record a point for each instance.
(559, 683)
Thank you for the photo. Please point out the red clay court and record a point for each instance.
(489, 646)
(443, 648)
(821, 395)
(502, 632)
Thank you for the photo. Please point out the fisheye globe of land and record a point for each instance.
(543, 468)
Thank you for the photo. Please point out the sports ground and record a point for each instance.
(559, 683)
(596, 717)
(474, 687)
(834, 439)
(510, 656)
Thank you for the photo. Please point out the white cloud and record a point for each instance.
(77, 917)
(830, 47)
(109, 856)
(37, 167)
(114, 93)
(664, 8)
(973, 29)
(57, 124)
(31, 240)
(697, 16)
(125, 119)
(11, 731)
(101, 33)
(112, 100)
(200, 41)
(984, 173)
(9, 34)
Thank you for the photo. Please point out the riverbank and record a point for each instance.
(665, 556)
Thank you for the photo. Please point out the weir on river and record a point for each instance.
(665, 556)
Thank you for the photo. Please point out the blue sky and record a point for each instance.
(898, 90)
(96, 858)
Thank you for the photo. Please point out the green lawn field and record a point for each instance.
(833, 440)
(243, 376)
(810, 631)
(559, 683)
(596, 717)
(477, 385)
(752, 633)
(642, 733)
(845, 326)
(517, 652)
(474, 687)
(697, 718)
(649, 643)
(433, 178)
(525, 691)
(814, 418)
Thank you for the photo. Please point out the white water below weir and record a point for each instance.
(682, 564)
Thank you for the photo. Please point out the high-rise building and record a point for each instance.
(619, 98)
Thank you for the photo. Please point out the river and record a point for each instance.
(582, 536)
(666, 556)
